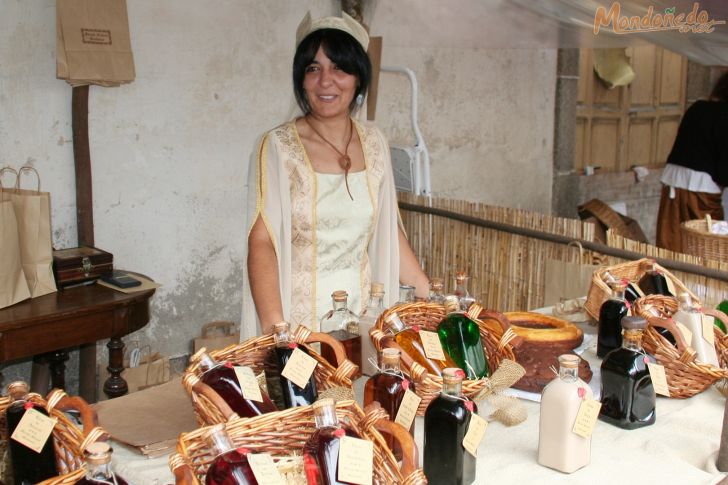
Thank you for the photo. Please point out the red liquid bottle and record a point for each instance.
(230, 466)
(28, 466)
(293, 395)
(321, 451)
(610, 317)
(221, 377)
(98, 466)
(343, 325)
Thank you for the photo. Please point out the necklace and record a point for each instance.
(344, 159)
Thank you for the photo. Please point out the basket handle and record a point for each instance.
(715, 313)
(224, 408)
(476, 312)
(687, 354)
(304, 335)
(89, 418)
(410, 456)
(210, 327)
(382, 341)
(182, 473)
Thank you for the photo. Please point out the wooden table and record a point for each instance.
(73, 317)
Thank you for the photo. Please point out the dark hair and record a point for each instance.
(720, 90)
(343, 50)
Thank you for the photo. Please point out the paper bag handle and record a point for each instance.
(2, 172)
(210, 327)
(27, 168)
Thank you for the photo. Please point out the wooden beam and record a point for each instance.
(82, 159)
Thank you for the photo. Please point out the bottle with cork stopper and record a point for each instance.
(367, 321)
(460, 339)
(98, 465)
(342, 324)
(230, 465)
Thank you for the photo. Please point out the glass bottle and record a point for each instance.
(460, 338)
(321, 451)
(342, 324)
(408, 339)
(293, 395)
(628, 396)
(28, 466)
(610, 317)
(388, 387)
(98, 466)
(446, 462)
(692, 317)
(461, 290)
(653, 282)
(221, 377)
(230, 465)
(558, 446)
(632, 292)
(406, 294)
(367, 321)
(722, 306)
(437, 291)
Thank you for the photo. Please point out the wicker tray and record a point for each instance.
(599, 291)
(284, 433)
(210, 408)
(697, 240)
(497, 339)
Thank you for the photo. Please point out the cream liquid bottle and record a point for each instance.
(691, 316)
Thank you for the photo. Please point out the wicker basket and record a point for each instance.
(210, 408)
(698, 241)
(497, 342)
(68, 440)
(285, 433)
(685, 376)
(599, 291)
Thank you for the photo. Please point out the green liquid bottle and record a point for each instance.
(460, 338)
(722, 306)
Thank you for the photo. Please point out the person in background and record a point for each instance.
(325, 214)
(697, 168)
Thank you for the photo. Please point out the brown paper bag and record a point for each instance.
(153, 369)
(13, 286)
(93, 45)
(216, 335)
(567, 280)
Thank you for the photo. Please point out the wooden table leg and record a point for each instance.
(115, 385)
(57, 362)
(40, 377)
(87, 372)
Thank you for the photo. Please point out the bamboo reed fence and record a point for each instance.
(507, 269)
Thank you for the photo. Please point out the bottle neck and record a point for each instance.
(406, 294)
(207, 363)
(568, 374)
(282, 338)
(340, 305)
(391, 366)
(632, 340)
(461, 287)
(326, 417)
(452, 388)
(618, 294)
(99, 471)
(376, 301)
(219, 442)
(395, 324)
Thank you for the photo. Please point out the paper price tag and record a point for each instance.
(407, 409)
(264, 469)
(687, 334)
(248, 383)
(586, 417)
(708, 332)
(356, 460)
(476, 430)
(34, 429)
(659, 379)
(432, 345)
(299, 368)
(671, 286)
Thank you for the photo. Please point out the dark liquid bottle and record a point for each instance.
(28, 466)
(631, 293)
(446, 462)
(343, 325)
(321, 451)
(610, 317)
(230, 466)
(653, 282)
(408, 338)
(98, 466)
(388, 388)
(628, 396)
(293, 395)
(222, 378)
(460, 338)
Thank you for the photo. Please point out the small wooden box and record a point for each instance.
(78, 265)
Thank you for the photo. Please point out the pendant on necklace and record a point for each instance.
(345, 162)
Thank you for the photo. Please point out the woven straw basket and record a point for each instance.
(210, 408)
(599, 291)
(68, 440)
(698, 241)
(497, 342)
(284, 433)
(685, 376)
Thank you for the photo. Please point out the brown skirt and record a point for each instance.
(684, 207)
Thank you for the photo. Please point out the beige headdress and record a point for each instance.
(345, 23)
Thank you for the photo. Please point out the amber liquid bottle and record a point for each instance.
(342, 324)
(98, 466)
(628, 396)
(221, 377)
(388, 388)
(610, 317)
(28, 466)
(461, 290)
(460, 338)
(293, 395)
(446, 462)
(230, 466)
(408, 339)
(321, 451)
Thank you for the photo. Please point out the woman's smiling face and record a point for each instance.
(329, 90)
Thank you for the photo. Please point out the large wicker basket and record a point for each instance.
(69, 441)
(698, 241)
(210, 408)
(497, 342)
(285, 433)
(685, 376)
(599, 291)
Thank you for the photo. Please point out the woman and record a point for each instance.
(325, 216)
(697, 167)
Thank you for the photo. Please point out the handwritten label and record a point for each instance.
(432, 345)
(299, 368)
(687, 334)
(356, 460)
(670, 286)
(659, 379)
(708, 332)
(586, 417)
(476, 430)
(34, 429)
(407, 409)
(248, 383)
(264, 469)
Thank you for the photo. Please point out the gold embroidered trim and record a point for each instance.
(261, 161)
